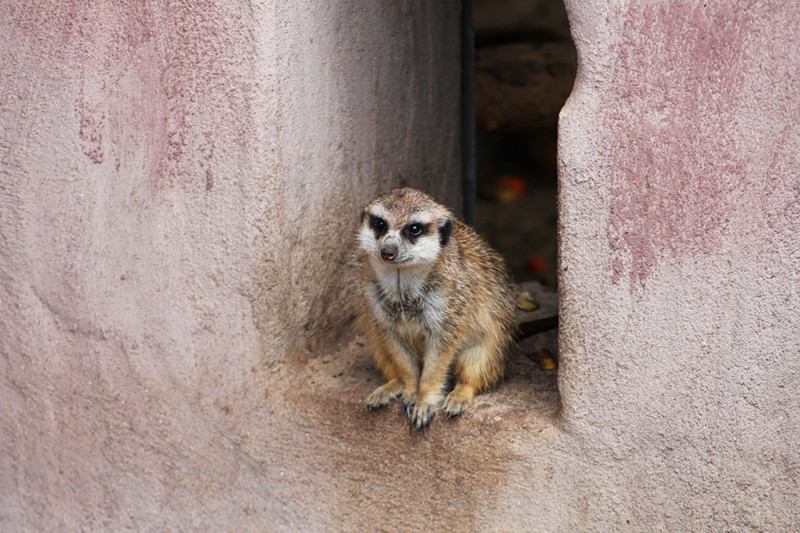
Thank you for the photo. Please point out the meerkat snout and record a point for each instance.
(389, 248)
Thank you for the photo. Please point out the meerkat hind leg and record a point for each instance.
(477, 368)
(459, 399)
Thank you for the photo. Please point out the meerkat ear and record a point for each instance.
(363, 215)
(445, 229)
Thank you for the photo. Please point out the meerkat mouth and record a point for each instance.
(394, 262)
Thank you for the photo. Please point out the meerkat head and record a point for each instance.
(404, 227)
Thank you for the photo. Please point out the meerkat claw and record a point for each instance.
(422, 416)
(421, 424)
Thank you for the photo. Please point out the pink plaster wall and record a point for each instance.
(680, 262)
(177, 181)
(684, 157)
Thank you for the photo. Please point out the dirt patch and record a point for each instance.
(451, 473)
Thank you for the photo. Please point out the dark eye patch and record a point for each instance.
(415, 230)
(378, 225)
(445, 230)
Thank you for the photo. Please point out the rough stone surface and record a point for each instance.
(175, 184)
(680, 264)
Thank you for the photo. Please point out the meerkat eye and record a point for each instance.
(378, 225)
(415, 230)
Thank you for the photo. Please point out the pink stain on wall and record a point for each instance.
(159, 77)
(679, 84)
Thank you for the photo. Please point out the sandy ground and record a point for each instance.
(528, 391)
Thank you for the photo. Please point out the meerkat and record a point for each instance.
(435, 300)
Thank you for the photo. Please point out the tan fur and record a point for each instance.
(451, 310)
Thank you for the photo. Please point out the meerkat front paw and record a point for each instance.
(459, 400)
(422, 415)
(409, 399)
(407, 408)
(384, 394)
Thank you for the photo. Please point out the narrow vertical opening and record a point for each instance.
(523, 70)
(468, 183)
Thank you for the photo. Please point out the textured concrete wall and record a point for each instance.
(680, 263)
(176, 184)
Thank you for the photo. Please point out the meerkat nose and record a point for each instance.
(388, 253)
